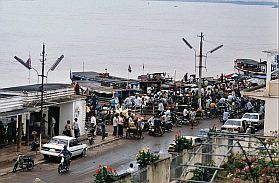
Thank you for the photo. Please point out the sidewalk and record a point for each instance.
(8, 154)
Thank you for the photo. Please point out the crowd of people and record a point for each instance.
(220, 98)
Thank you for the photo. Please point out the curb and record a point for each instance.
(10, 170)
(103, 143)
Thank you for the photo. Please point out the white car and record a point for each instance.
(56, 145)
(233, 125)
(255, 119)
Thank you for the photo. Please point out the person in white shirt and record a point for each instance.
(53, 121)
(249, 106)
(120, 125)
(185, 113)
(230, 98)
(93, 124)
(160, 107)
(115, 123)
(226, 115)
(131, 168)
(76, 128)
(138, 101)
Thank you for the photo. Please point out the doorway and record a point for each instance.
(53, 112)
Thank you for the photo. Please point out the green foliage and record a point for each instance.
(203, 174)
(261, 167)
(145, 158)
(105, 174)
(182, 143)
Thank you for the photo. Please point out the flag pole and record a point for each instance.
(29, 69)
(128, 80)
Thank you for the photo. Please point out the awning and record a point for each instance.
(16, 112)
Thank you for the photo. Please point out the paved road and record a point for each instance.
(118, 154)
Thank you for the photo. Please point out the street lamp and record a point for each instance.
(42, 75)
(200, 62)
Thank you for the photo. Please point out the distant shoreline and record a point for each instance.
(261, 3)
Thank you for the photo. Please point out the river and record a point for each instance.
(113, 34)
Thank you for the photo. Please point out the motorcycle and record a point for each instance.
(183, 120)
(63, 166)
(155, 131)
(175, 120)
(167, 126)
(24, 162)
(90, 136)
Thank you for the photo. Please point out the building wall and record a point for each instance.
(274, 88)
(159, 171)
(80, 113)
(71, 110)
(271, 122)
(66, 113)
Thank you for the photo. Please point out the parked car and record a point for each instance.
(56, 144)
(195, 139)
(233, 125)
(255, 119)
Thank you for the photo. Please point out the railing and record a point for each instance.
(139, 176)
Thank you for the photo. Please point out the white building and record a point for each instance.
(23, 103)
(270, 94)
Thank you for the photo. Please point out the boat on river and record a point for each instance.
(250, 67)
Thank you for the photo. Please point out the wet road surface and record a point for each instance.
(118, 154)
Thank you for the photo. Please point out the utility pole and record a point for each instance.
(41, 88)
(200, 62)
(200, 71)
(42, 125)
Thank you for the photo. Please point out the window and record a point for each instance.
(71, 143)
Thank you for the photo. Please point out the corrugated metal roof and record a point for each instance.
(37, 87)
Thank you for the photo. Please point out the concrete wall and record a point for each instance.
(193, 159)
(274, 88)
(80, 113)
(159, 171)
(271, 122)
(71, 110)
(66, 113)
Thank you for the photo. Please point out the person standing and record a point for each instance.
(76, 128)
(68, 129)
(161, 107)
(43, 126)
(13, 129)
(249, 106)
(115, 123)
(93, 124)
(120, 125)
(185, 113)
(226, 116)
(192, 117)
(53, 121)
(10, 133)
(103, 128)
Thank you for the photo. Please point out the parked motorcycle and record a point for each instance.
(64, 165)
(24, 162)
